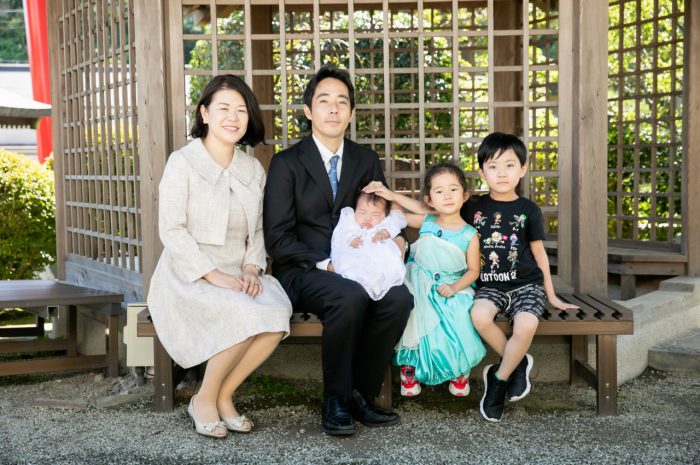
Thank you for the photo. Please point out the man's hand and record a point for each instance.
(330, 267)
(356, 242)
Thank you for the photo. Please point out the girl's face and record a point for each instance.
(227, 117)
(446, 194)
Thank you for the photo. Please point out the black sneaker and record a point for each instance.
(494, 397)
(519, 382)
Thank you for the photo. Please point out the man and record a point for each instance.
(308, 185)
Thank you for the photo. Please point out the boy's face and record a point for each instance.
(502, 173)
(367, 214)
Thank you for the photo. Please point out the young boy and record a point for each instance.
(515, 277)
(359, 247)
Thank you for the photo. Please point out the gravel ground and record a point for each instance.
(67, 420)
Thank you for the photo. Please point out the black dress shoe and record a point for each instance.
(368, 415)
(337, 420)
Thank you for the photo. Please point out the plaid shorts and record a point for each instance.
(529, 298)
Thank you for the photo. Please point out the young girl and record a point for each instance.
(439, 342)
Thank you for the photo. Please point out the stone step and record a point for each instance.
(681, 353)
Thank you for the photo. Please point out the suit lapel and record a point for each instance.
(310, 157)
(346, 184)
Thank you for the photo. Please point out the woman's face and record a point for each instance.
(227, 117)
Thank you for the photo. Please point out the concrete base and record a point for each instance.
(678, 354)
(658, 316)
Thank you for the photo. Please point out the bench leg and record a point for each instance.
(606, 366)
(163, 379)
(383, 400)
(113, 345)
(628, 286)
(579, 353)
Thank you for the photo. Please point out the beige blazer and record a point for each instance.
(194, 196)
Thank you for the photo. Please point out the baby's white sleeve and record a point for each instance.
(393, 223)
(346, 229)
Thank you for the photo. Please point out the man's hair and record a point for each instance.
(255, 133)
(374, 199)
(329, 71)
(496, 143)
(440, 168)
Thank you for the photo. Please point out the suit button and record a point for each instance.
(304, 265)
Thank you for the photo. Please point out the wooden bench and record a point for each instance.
(629, 262)
(37, 297)
(599, 317)
(304, 328)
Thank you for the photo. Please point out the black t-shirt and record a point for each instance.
(505, 232)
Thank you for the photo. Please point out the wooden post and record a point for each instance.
(691, 146)
(589, 133)
(606, 367)
(164, 385)
(153, 125)
(263, 85)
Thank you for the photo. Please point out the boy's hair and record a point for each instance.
(446, 167)
(255, 133)
(329, 71)
(496, 143)
(374, 199)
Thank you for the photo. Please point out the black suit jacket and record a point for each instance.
(299, 214)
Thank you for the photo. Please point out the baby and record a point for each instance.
(359, 247)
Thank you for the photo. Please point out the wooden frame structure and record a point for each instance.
(433, 78)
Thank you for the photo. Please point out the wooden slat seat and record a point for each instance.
(629, 262)
(37, 297)
(599, 317)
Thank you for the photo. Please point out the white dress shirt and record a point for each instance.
(326, 155)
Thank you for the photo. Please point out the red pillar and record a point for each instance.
(38, 49)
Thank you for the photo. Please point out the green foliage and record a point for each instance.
(27, 209)
(13, 41)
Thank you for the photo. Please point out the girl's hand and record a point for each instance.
(447, 290)
(220, 279)
(381, 235)
(356, 242)
(558, 304)
(376, 187)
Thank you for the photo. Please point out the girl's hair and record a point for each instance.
(255, 133)
(496, 143)
(440, 168)
(374, 199)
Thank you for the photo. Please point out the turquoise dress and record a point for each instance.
(439, 340)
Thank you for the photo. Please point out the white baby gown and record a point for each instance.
(377, 266)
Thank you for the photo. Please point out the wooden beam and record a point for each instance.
(153, 125)
(691, 212)
(589, 131)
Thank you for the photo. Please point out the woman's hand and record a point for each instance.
(251, 281)
(376, 187)
(220, 279)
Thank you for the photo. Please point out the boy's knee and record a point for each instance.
(525, 323)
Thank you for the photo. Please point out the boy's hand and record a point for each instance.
(356, 242)
(447, 290)
(381, 235)
(559, 305)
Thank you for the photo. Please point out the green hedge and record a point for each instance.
(27, 217)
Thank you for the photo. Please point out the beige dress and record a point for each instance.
(194, 319)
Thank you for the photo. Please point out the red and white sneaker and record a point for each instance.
(409, 386)
(460, 387)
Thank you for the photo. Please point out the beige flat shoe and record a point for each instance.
(206, 429)
(239, 424)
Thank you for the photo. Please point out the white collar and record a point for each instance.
(326, 154)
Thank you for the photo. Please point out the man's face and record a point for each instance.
(330, 111)
(367, 214)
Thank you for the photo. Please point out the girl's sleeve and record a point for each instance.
(393, 223)
(189, 262)
(255, 246)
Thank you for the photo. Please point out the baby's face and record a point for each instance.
(368, 215)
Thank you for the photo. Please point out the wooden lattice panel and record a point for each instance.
(645, 69)
(432, 77)
(98, 157)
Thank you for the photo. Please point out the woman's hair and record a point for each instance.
(496, 143)
(374, 199)
(329, 71)
(440, 168)
(255, 133)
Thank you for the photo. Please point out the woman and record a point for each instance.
(208, 297)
